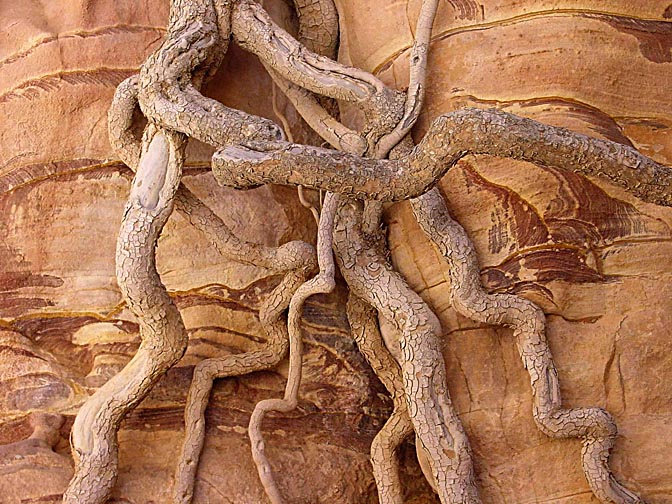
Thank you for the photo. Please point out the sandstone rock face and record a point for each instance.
(596, 259)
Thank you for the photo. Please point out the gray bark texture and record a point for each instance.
(373, 163)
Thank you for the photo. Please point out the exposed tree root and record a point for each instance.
(415, 94)
(170, 78)
(164, 338)
(255, 31)
(318, 26)
(423, 370)
(384, 459)
(323, 283)
(178, 67)
(450, 137)
(208, 370)
(595, 426)
(290, 256)
(251, 151)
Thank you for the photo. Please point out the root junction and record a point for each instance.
(375, 163)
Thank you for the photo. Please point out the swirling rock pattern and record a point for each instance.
(595, 259)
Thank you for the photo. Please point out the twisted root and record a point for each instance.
(322, 283)
(208, 370)
(163, 335)
(595, 426)
(423, 371)
(449, 138)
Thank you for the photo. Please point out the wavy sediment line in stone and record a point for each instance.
(81, 34)
(16, 178)
(596, 119)
(30, 89)
(585, 13)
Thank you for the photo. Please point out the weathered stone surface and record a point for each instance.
(596, 259)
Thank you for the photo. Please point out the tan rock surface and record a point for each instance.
(596, 259)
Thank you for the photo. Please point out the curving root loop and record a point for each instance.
(323, 283)
(594, 426)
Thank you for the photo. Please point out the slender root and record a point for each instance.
(415, 94)
(384, 459)
(322, 283)
(163, 335)
(231, 365)
(594, 425)
(288, 134)
(319, 119)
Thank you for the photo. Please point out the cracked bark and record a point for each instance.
(594, 426)
(365, 331)
(422, 367)
(166, 91)
(450, 137)
(164, 338)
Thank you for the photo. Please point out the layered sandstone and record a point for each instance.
(596, 259)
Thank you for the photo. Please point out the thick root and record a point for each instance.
(423, 371)
(364, 328)
(164, 337)
(593, 425)
(450, 137)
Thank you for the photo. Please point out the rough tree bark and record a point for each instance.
(167, 94)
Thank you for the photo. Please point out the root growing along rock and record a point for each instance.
(450, 137)
(364, 329)
(191, 50)
(164, 338)
(208, 370)
(594, 426)
(323, 283)
(423, 371)
(251, 151)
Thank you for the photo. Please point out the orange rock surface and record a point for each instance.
(596, 259)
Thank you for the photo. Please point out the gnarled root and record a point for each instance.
(594, 425)
(231, 365)
(450, 137)
(423, 371)
(164, 337)
(254, 30)
(290, 256)
(198, 37)
(322, 283)
(365, 331)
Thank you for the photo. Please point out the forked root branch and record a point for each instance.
(323, 283)
(231, 365)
